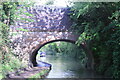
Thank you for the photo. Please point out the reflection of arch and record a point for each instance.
(34, 53)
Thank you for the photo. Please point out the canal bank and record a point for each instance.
(34, 72)
(62, 67)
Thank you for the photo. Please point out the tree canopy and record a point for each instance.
(98, 25)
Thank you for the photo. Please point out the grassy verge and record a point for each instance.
(41, 74)
(9, 64)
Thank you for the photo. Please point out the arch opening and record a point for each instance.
(35, 52)
(61, 49)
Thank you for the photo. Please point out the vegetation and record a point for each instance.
(49, 2)
(41, 74)
(64, 49)
(8, 60)
(99, 27)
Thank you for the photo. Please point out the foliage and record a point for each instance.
(9, 64)
(49, 2)
(64, 49)
(99, 26)
(9, 13)
(41, 74)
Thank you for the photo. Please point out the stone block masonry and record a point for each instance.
(49, 23)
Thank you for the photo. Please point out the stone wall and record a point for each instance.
(45, 18)
(25, 42)
(50, 23)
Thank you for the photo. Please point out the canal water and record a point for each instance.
(64, 67)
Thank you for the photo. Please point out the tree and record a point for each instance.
(98, 26)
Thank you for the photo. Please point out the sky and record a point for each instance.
(61, 3)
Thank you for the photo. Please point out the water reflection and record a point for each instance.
(63, 67)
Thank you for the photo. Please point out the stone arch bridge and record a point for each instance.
(49, 24)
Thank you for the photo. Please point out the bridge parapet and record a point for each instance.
(45, 18)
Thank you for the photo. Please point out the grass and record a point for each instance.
(40, 74)
(11, 63)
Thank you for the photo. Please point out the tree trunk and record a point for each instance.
(90, 59)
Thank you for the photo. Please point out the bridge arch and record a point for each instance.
(50, 24)
(35, 52)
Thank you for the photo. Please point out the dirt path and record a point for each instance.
(27, 72)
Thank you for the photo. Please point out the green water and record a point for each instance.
(64, 67)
